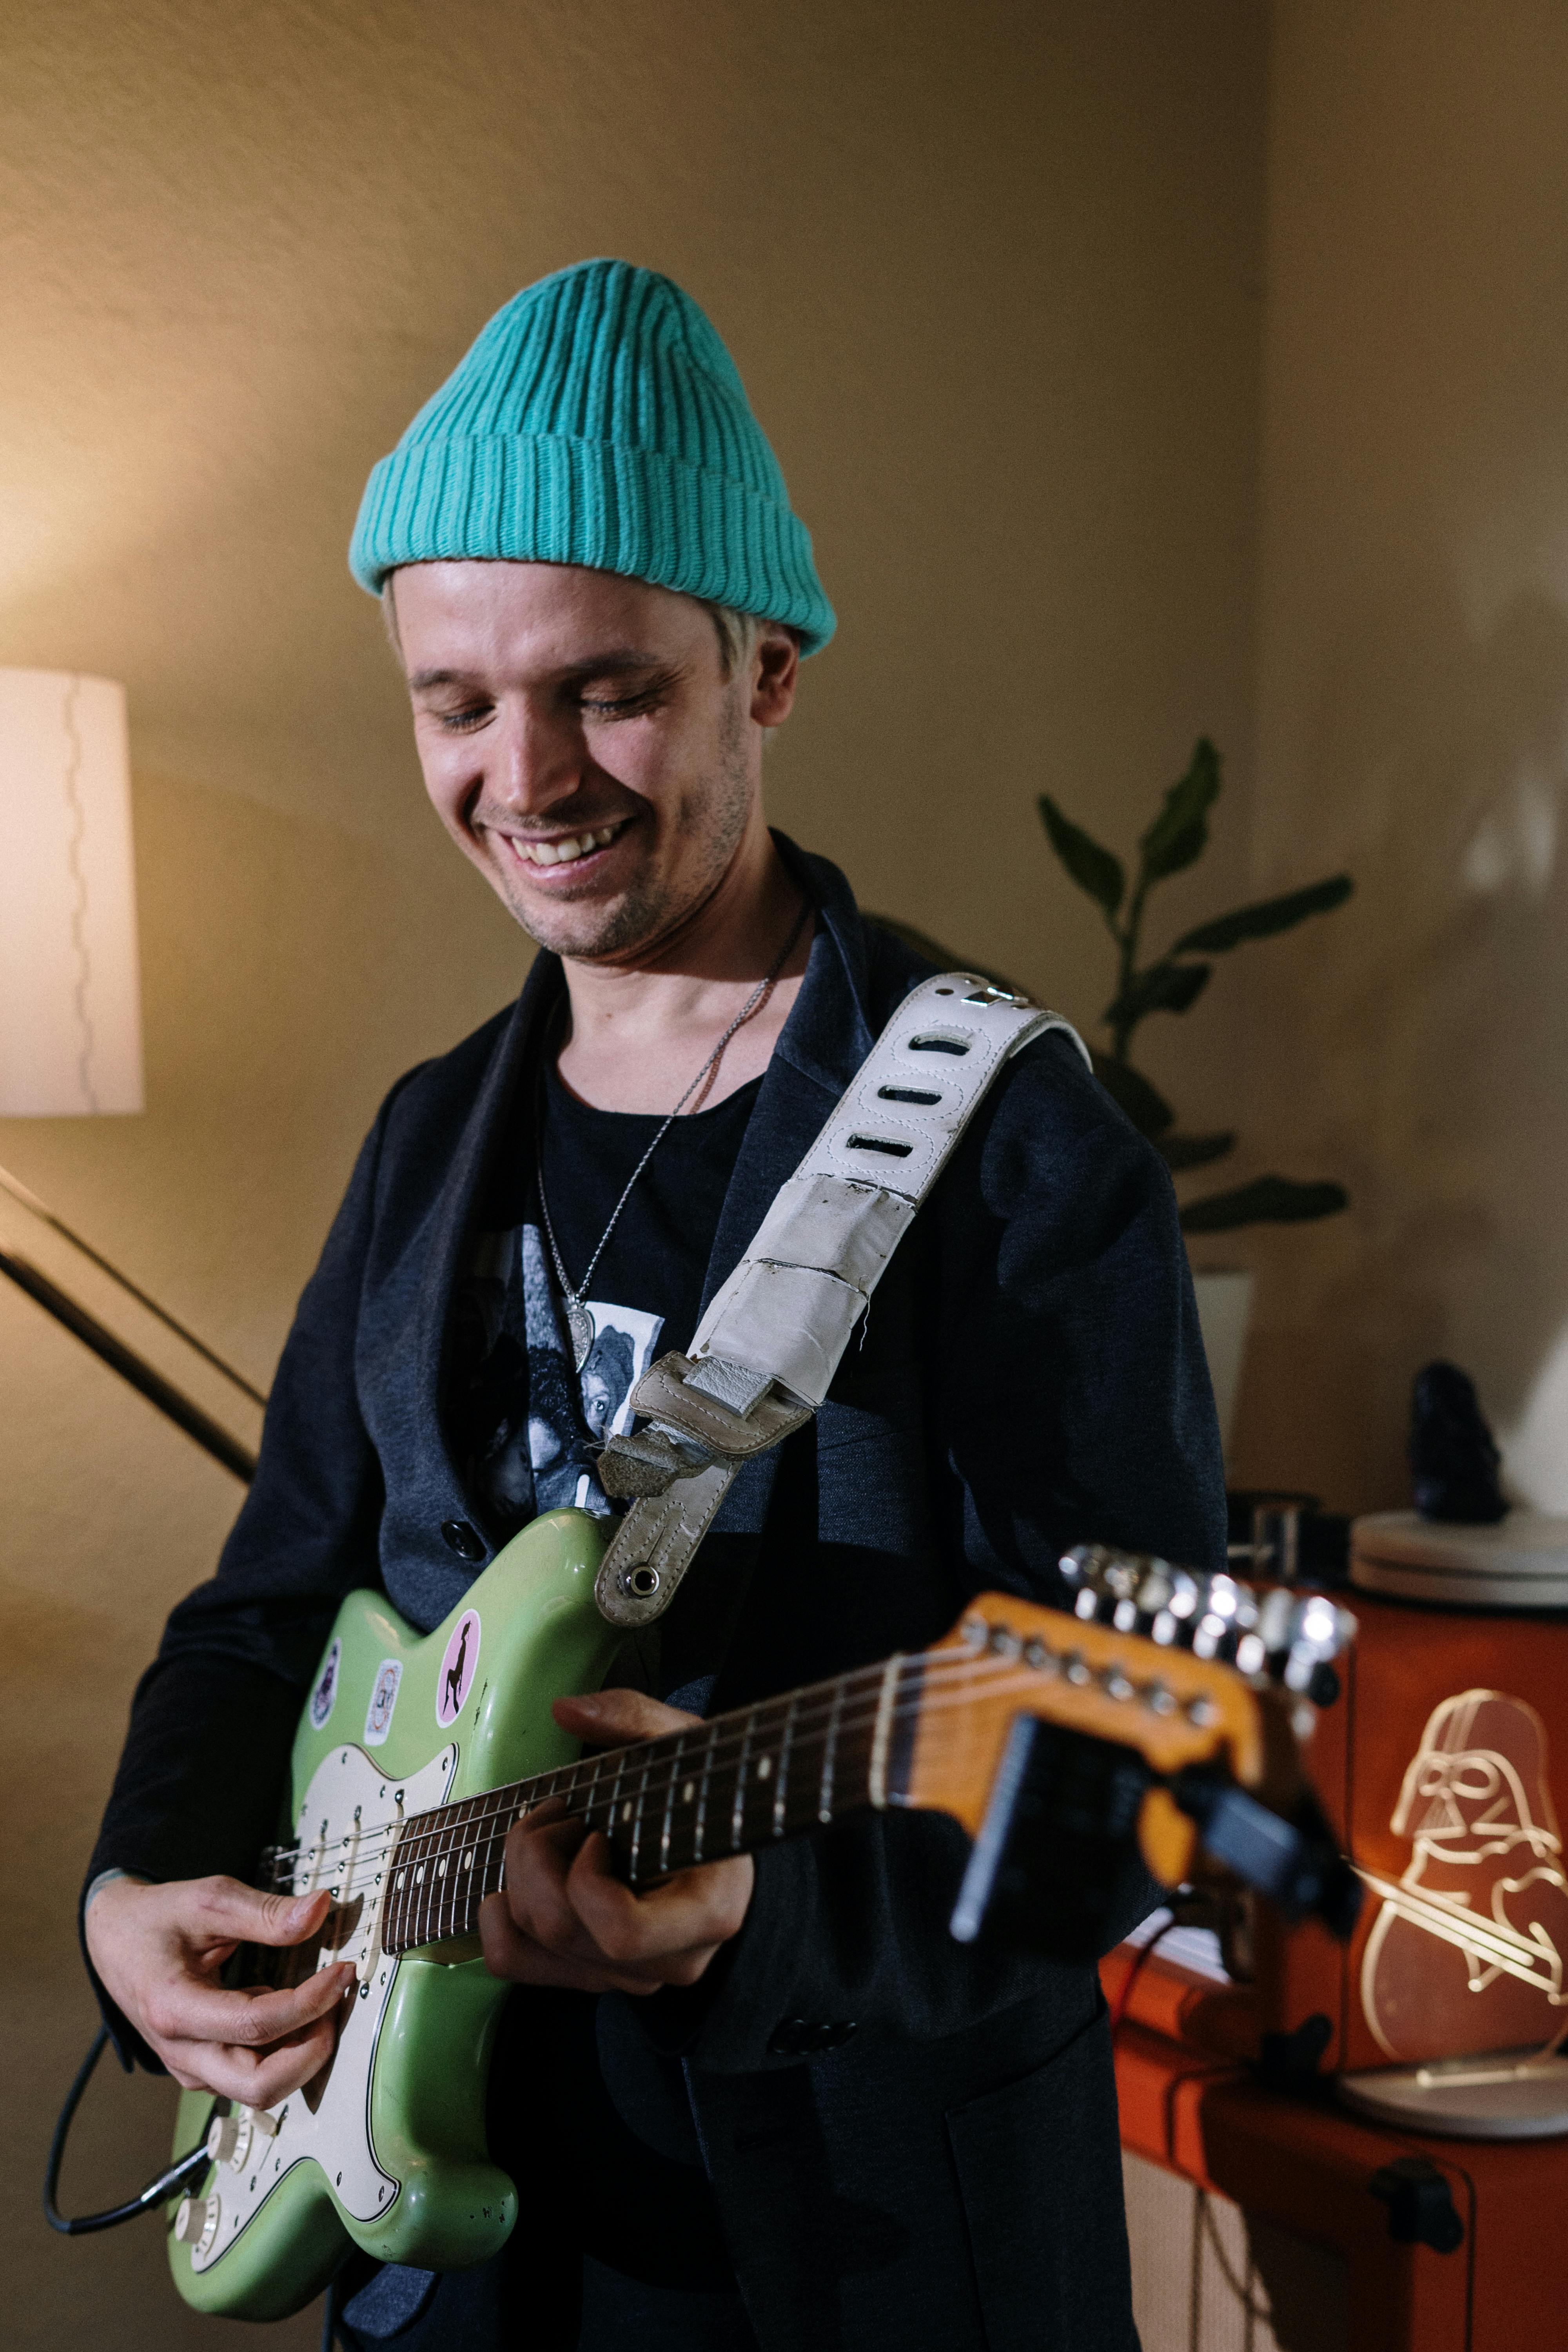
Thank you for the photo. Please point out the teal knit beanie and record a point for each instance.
(598, 420)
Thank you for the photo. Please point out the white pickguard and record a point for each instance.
(342, 1846)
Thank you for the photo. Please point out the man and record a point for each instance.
(770, 2103)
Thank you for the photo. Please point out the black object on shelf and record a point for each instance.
(1454, 1457)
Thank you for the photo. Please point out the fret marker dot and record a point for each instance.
(764, 1766)
(401, 1876)
(468, 1859)
(627, 1811)
(419, 1875)
(688, 1792)
(441, 1867)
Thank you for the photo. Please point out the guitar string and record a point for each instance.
(499, 1822)
(935, 1662)
(933, 1659)
(491, 1827)
(802, 1726)
(936, 1681)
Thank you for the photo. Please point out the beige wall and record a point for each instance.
(1412, 725)
(992, 274)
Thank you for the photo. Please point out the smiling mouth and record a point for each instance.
(566, 848)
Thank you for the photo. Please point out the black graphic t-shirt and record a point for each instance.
(526, 1427)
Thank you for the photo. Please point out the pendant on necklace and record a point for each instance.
(580, 1324)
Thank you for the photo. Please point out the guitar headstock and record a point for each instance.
(1283, 1636)
(1197, 1683)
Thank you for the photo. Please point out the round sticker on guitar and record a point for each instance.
(458, 1668)
(324, 1695)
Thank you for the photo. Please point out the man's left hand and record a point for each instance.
(564, 1917)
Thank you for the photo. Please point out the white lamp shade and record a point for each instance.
(70, 998)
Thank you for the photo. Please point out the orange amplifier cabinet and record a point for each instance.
(1443, 1766)
(1428, 2244)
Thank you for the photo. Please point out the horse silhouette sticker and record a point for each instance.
(1466, 1955)
(458, 1667)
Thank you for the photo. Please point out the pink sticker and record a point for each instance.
(458, 1668)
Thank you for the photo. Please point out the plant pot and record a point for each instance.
(1225, 1302)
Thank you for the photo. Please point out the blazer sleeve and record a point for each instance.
(1070, 1401)
(212, 1722)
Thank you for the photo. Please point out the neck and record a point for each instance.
(639, 1030)
(721, 1787)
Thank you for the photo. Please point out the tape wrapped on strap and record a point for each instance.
(765, 1352)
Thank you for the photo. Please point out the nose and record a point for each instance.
(537, 757)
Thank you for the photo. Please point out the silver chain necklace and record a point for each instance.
(579, 1321)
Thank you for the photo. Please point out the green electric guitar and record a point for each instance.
(414, 1755)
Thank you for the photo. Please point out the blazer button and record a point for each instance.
(466, 1541)
(800, 2037)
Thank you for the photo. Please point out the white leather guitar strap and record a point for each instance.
(765, 1352)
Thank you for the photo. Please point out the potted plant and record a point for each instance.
(1172, 980)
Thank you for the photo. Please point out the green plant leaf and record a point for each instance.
(1267, 1201)
(1147, 1108)
(1163, 987)
(944, 959)
(1094, 869)
(1267, 916)
(1178, 834)
(1179, 1151)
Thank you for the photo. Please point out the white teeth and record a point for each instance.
(558, 853)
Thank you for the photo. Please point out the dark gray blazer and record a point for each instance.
(1031, 1376)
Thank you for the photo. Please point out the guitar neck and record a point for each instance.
(727, 1787)
(1160, 1659)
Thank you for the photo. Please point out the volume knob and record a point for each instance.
(196, 2223)
(228, 2138)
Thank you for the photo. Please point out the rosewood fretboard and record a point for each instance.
(720, 1788)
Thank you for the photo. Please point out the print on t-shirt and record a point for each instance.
(528, 1429)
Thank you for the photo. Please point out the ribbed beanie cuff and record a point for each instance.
(598, 420)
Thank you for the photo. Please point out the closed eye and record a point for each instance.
(622, 706)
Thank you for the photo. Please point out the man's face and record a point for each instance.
(582, 745)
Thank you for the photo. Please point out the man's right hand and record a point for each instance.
(158, 1950)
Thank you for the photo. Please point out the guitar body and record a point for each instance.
(414, 1755)
(387, 2149)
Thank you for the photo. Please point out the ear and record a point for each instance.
(776, 667)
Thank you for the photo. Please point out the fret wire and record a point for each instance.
(637, 1819)
(455, 1845)
(738, 1811)
(671, 1787)
(702, 1793)
(781, 1787)
(825, 1787)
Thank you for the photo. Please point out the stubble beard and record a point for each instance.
(709, 815)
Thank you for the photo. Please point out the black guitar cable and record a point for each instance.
(83, 2225)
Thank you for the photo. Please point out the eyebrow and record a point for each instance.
(618, 661)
